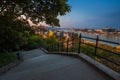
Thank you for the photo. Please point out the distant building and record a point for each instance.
(59, 33)
(50, 33)
(66, 35)
(99, 31)
(109, 30)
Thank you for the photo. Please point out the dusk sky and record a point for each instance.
(92, 14)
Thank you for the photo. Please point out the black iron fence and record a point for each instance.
(93, 47)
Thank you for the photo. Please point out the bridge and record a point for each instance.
(38, 65)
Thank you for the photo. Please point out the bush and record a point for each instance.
(6, 58)
(13, 34)
(50, 43)
(34, 42)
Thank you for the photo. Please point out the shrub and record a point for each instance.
(6, 58)
(50, 43)
(13, 34)
(34, 42)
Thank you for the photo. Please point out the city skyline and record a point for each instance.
(92, 14)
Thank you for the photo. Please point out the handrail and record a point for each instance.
(88, 37)
(109, 41)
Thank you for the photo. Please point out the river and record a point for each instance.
(108, 37)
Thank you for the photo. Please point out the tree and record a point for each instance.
(36, 10)
(13, 33)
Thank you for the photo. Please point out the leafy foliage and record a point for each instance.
(13, 33)
(50, 44)
(38, 10)
(34, 42)
(7, 58)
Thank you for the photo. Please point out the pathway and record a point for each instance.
(40, 66)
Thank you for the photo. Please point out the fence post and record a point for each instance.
(52, 47)
(62, 45)
(79, 46)
(58, 48)
(67, 45)
(96, 46)
(73, 44)
(18, 55)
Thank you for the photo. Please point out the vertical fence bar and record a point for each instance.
(61, 43)
(67, 45)
(52, 47)
(79, 46)
(96, 46)
(18, 55)
(58, 48)
(73, 44)
(62, 46)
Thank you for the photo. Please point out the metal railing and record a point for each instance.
(64, 46)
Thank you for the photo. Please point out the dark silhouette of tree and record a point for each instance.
(37, 10)
(15, 32)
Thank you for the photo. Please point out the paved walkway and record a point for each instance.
(40, 66)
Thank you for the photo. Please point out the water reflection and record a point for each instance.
(108, 37)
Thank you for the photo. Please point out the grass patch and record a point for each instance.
(6, 58)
